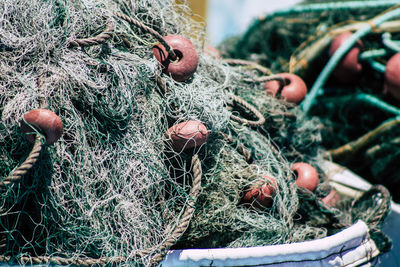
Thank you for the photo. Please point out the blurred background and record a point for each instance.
(226, 18)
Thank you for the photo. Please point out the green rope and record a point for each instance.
(310, 99)
(369, 57)
(376, 65)
(389, 43)
(369, 54)
(374, 101)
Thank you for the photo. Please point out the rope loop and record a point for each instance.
(187, 215)
(260, 118)
(98, 39)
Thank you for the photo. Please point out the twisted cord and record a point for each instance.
(98, 39)
(161, 251)
(16, 175)
(171, 53)
(252, 109)
(348, 150)
(240, 147)
(187, 215)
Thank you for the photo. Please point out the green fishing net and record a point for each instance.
(112, 186)
(277, 41)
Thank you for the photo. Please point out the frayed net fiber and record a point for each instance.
(111, 186)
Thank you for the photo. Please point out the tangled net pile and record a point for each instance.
(112, 188)
(297, 40)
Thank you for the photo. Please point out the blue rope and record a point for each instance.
(339, 53)
(372, 100)
(369, 54)
(369, 57)
(376, 65)
(389, 43)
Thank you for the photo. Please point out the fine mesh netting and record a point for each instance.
(100, 191)
(112, 186)
(280, 41)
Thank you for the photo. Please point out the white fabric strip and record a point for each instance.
(350, 247)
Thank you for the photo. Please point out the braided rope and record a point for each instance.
(240, 147)
(252, 109)
(161, 251)
(16, 175)
(98, 39)
(348, 150)
(171, 53)
(187, 215)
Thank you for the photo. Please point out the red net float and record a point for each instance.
(349, 68)
(293, 90)
(186, 135)
(187, 58)
(392, 77)
(332, 198)
(307, 175)
(261, 196)
(46, 122)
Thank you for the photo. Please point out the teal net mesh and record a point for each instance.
(112, 186)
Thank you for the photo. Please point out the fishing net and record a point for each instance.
(298, 39)
(113, 189)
